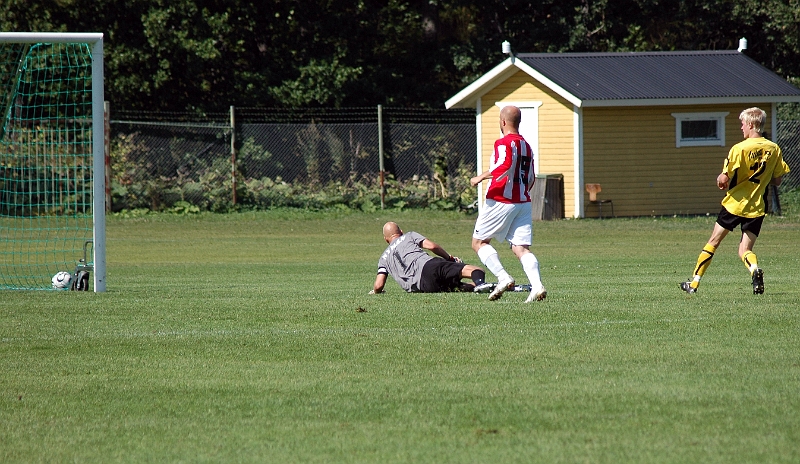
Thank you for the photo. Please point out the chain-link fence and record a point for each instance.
(788, 138)
(262, 157)
(312, 158)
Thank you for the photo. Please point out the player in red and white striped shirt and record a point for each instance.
(506, 215)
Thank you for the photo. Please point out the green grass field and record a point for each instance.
(251, 338)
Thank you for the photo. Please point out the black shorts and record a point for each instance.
(439, 275)
(730, 221)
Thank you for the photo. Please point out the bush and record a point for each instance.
(790, 203)
(214, 193)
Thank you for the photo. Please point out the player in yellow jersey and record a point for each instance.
(750, 167)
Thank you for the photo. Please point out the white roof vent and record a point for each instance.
(742, 44)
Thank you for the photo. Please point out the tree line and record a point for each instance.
(205, 55)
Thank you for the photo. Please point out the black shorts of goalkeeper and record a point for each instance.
(439, 275)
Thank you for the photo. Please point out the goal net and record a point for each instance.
(52, 160)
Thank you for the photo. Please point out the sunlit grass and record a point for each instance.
(251, 337)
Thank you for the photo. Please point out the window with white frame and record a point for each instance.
(699, 129)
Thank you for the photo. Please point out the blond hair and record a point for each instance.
(755, 116)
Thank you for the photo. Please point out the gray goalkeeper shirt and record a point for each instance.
(403, 260)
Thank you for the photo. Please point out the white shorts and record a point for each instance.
(505, 221)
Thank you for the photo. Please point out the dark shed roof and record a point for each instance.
(659, 75)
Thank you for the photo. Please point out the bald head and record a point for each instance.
(510, 117)
(390, 230)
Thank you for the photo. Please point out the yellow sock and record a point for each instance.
(703, 262)
(750, 261)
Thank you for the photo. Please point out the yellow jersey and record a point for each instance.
(751, 165)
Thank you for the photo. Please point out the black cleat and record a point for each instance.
(758, 282)
(687, 287)
(485, 287)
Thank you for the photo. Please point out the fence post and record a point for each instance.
(380, 151)
(233, 155)
(775, 204)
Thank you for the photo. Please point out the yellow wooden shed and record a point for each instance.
(652, 128)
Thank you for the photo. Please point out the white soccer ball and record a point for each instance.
(61, 280)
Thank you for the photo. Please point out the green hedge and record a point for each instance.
(214, 193)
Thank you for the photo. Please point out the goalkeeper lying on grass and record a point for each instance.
(408, 262)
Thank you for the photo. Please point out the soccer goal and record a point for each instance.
(52, 158)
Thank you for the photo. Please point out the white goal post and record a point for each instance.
(95, 42)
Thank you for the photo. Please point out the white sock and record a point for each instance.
(489, 258)
(531, 267)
